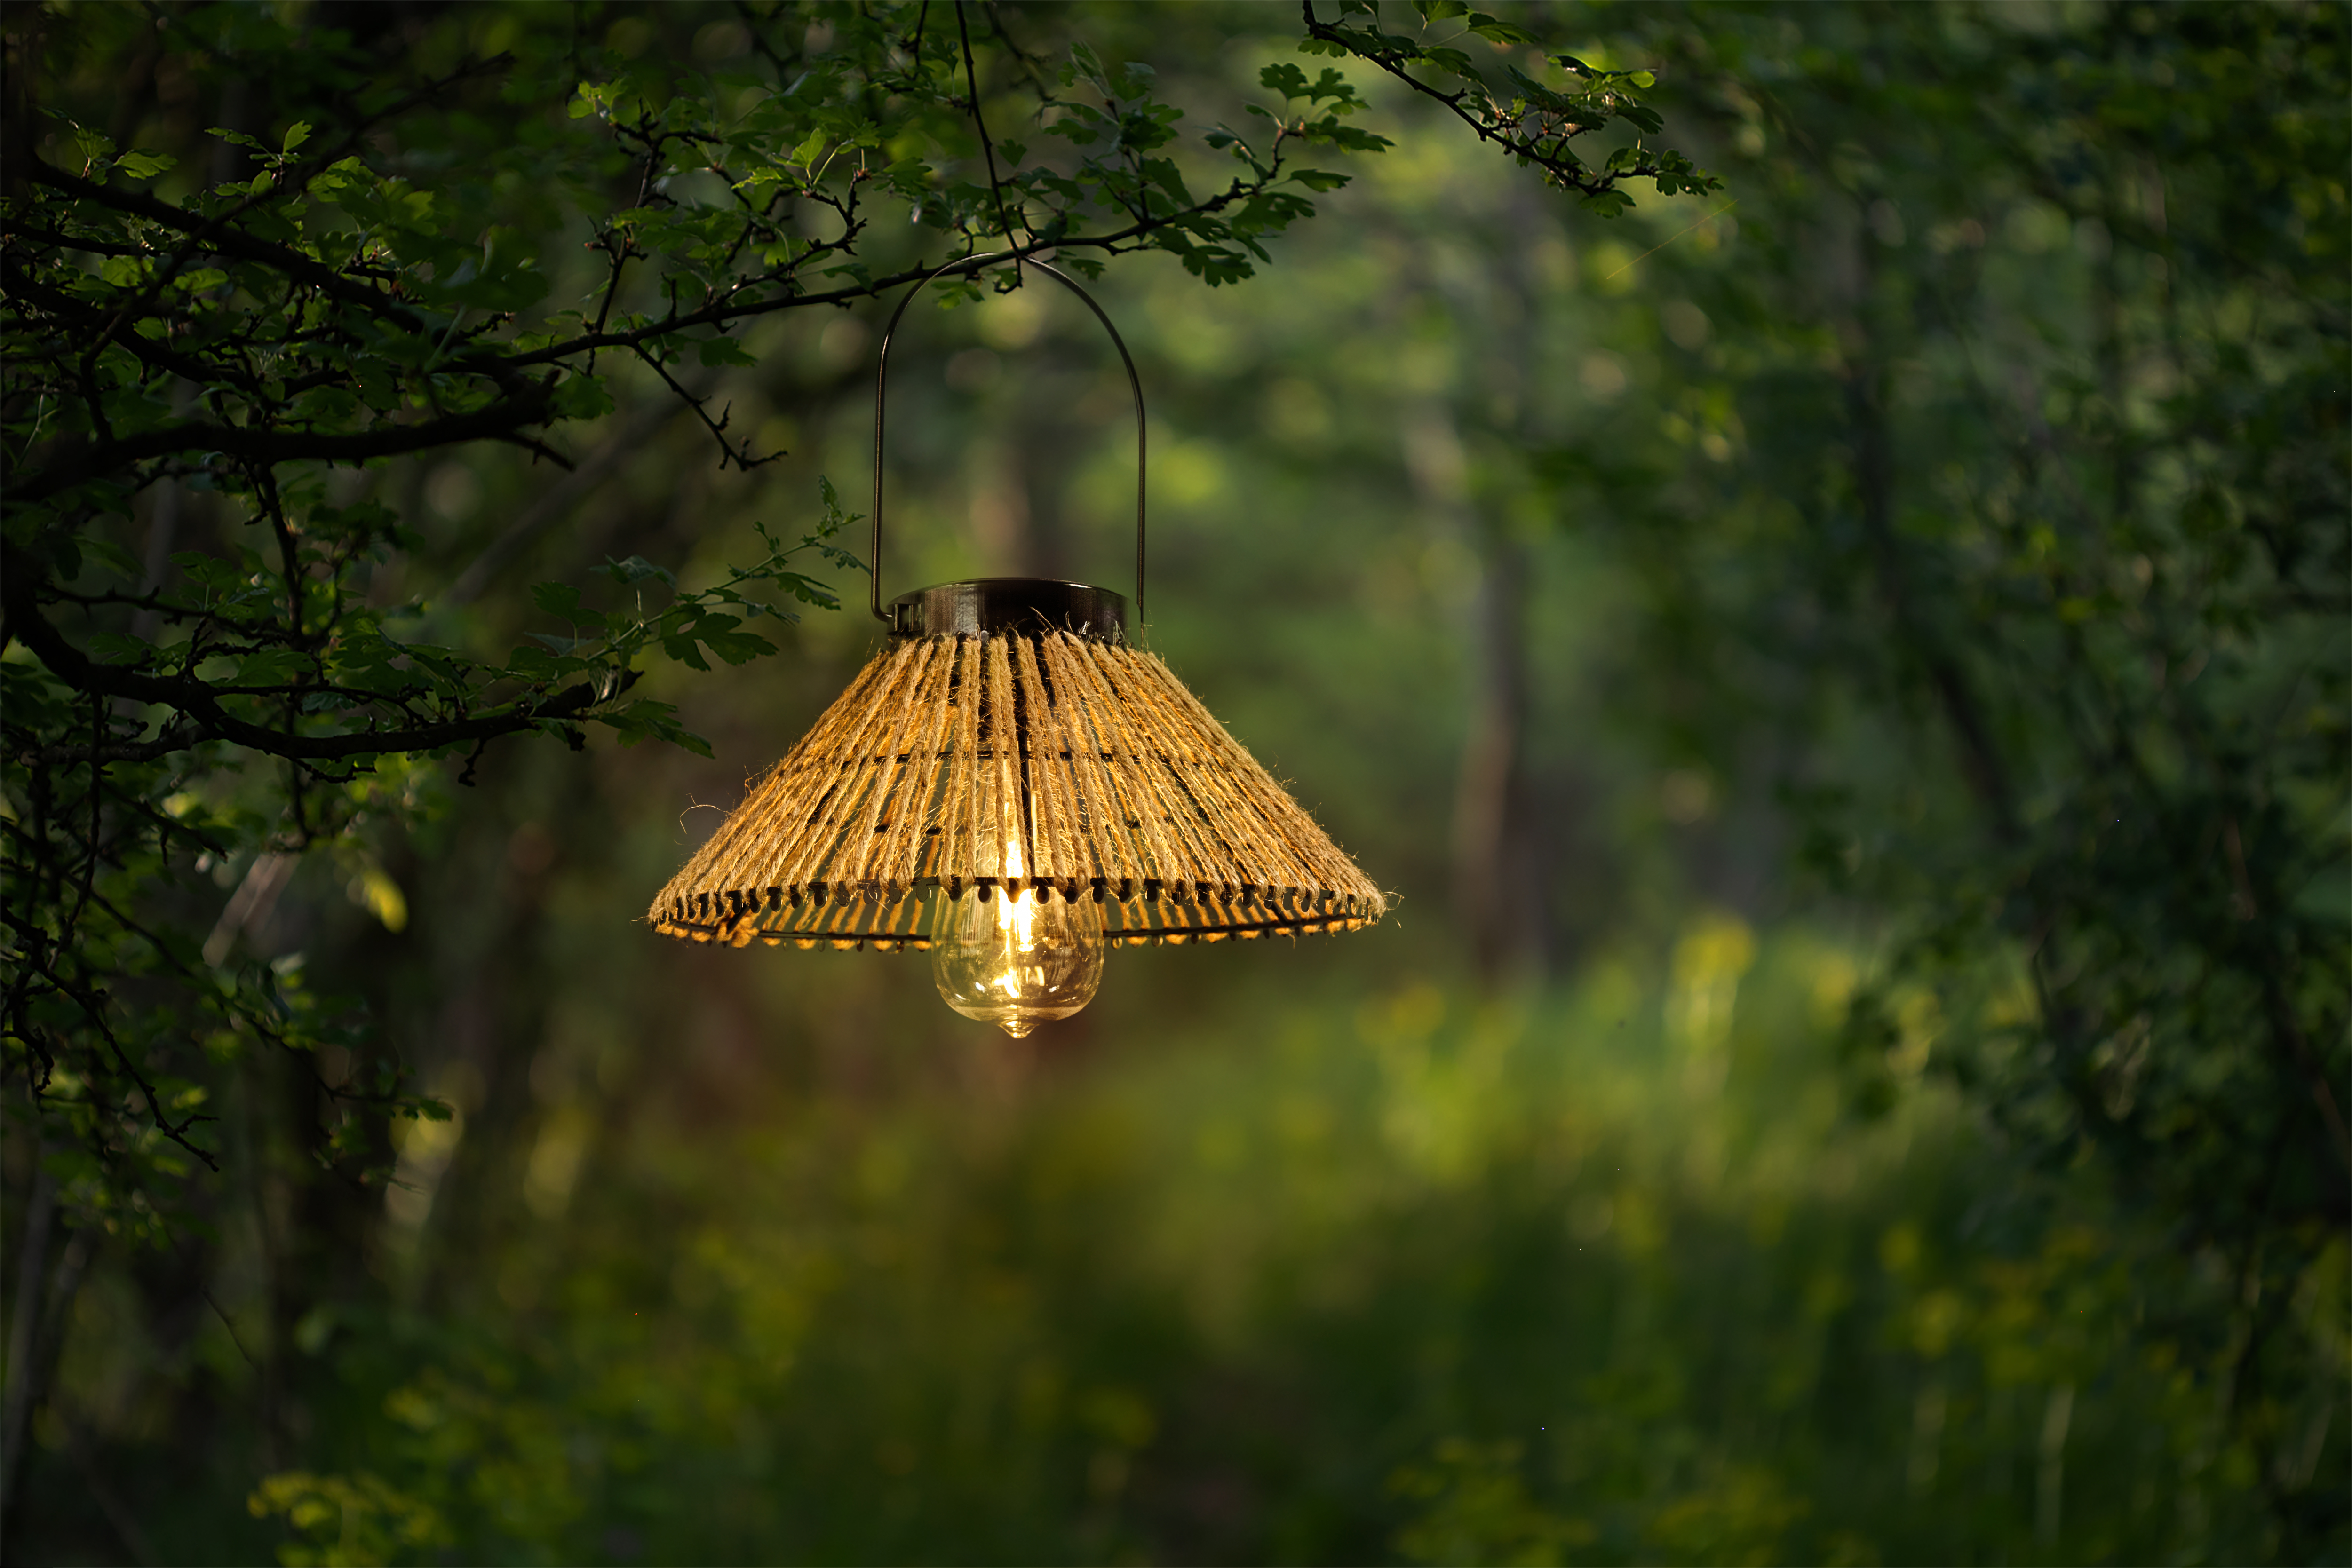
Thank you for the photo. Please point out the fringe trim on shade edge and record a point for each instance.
(1081, 768)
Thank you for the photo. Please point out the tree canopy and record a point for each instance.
(373, 284)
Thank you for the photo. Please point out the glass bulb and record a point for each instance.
(1016, 961)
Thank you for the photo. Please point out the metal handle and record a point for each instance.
(882, 382)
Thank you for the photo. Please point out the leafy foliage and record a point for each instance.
(2011, 532)
(1531, 120)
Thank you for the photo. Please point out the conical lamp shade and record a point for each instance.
(1013, 760)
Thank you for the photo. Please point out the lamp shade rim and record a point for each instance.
(897, 918)
(996, 606)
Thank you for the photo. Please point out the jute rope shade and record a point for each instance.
(1010, 761)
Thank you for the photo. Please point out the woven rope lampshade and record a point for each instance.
(1012, 786)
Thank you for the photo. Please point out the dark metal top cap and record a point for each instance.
(999, 605)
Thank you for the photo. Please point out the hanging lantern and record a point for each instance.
(1015, 787)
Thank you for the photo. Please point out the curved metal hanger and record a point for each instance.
(882, 382)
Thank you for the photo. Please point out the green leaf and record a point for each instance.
(1284, 78)
(1350, 137)
(1494, 30)
(634, 570)
(560, 599)
(114, 648)
(114, 554)
(719, 633)
(683, 649)
(724, 351)
(269, 667)
(581, 396)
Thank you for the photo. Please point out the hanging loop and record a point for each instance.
(882, 382)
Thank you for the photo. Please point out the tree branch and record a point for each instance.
(219, 238)
(201, 703)
(495, 420)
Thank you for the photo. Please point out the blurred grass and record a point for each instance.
(1603, 1273)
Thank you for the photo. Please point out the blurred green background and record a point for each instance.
(1568, 1216)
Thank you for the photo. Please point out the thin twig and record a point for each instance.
(980, 124)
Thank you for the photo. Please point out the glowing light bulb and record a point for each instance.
(1016, 960)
